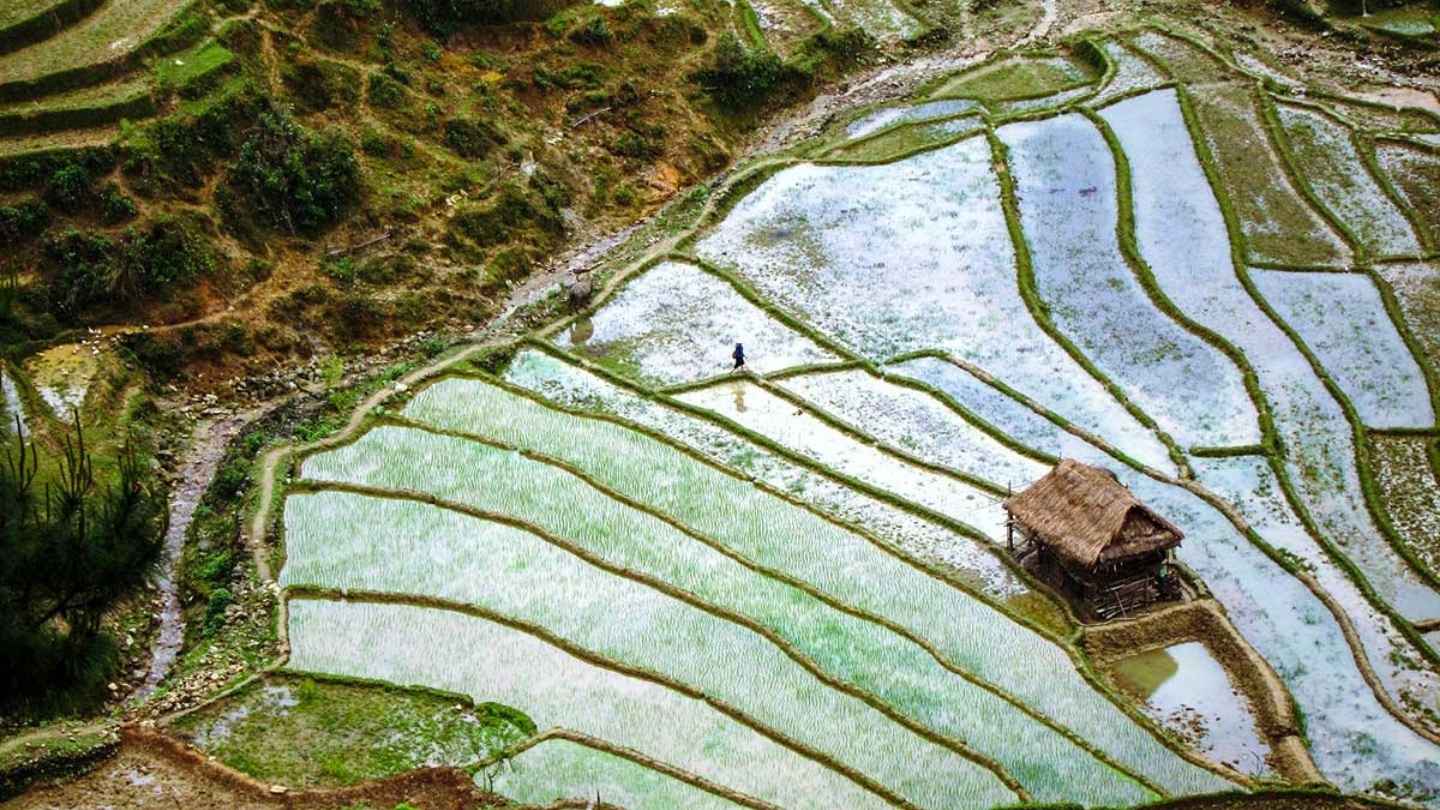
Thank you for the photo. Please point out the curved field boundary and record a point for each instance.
(629, 754)
(804, 661)
(89, 62)
(1031, 295)
(1205, 620)
(132, 102)
(1004, 388)
(881, 545)
(865, 437)
(1365, 147)
(1066, 644)
(1130, 247)
(729, 615)
(383, 790)
(1352, 638)
(1065, 622)
(45, 22)
(1280, 142)
(545, 636)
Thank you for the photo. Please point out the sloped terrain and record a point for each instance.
(927, 331)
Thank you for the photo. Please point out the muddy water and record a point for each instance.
(1187, 690)
(202, 459)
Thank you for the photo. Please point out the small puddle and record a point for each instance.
(1184, 688)
(62, 376)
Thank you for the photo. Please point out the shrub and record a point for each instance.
(25, 220)
(738, 77)
(472, 137)
(595, 32)
(508, 266)
(94, 269)
(292, 179)
(115, 205)
(69, 188)
(385, 91)
(220, 599)
(511, 211)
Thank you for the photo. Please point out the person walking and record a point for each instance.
(739, 355)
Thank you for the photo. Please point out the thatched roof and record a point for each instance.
(1087, 516)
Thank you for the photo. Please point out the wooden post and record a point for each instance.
(1009, 524)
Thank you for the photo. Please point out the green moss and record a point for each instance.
(904, 141)
(1276, 222)
(193, 70)
(312, 732)
(1016, 77)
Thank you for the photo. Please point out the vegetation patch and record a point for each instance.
(309, 732)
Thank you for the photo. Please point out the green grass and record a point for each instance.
(1016, 77)
(1278, 224)
(95, 106)
(180, 70)
(906, 139)
(14, 11)
(113, 32)
(306, 732)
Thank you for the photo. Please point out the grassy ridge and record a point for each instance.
(81, 109)
(23, 24)
(105, 44)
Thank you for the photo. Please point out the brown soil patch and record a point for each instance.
(153, 770)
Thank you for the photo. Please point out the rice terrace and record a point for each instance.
(1038, 409)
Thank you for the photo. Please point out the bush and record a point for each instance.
(23, 221)
(471, 137)
(94, 269)
(292, 179)
(510, 213)
(739, 77)
(595, 33)
(69, 188)
(385, 91)
(220, 598)
(115, 206)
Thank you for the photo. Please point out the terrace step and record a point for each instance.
(88, 107)
(24, 23)
(106, 44)
(22, 145)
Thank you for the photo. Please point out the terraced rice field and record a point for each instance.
(788, 586)
(73, 70)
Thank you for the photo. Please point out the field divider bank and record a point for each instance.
(638, 758)
(1038, 308)
(671, 589)
(1352, 638)
(1076, 660)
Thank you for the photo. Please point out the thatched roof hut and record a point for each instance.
(1083, 522)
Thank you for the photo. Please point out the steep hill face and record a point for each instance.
(232, 170)
(559, 547)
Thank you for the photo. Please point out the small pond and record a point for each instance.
(1185, 689)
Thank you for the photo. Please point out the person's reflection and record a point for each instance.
(739, 390)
